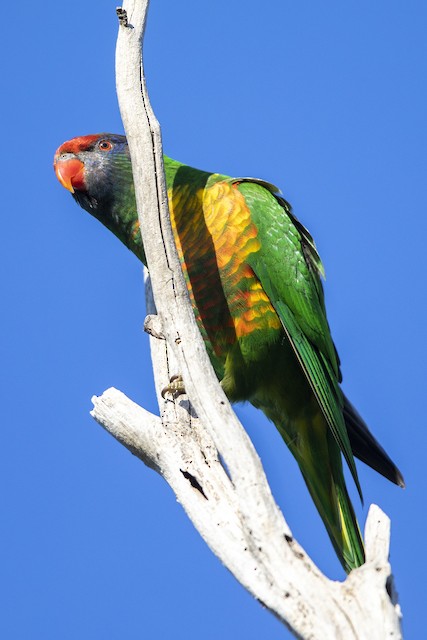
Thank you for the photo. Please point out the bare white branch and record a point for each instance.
(228, 497)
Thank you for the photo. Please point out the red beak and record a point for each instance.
(70, 173)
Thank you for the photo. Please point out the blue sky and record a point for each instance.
(326, 100)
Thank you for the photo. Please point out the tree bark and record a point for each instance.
(209, 461)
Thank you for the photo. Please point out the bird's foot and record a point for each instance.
(175, 386)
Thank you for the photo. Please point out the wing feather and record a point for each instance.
(289, 268)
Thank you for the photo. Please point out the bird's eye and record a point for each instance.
(105, 145)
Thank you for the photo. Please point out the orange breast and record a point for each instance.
(215, 235)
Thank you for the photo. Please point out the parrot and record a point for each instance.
(254, 279)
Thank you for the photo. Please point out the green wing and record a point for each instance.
(289, 269)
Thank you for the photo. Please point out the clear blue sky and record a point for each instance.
(328, 101)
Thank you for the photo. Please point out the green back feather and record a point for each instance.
(290, 277)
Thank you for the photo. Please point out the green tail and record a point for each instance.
(320, 460)
(329, 493)
(325, 481)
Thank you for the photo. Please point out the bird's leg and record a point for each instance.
(175, 387)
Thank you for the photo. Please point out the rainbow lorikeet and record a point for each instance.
(254, 278)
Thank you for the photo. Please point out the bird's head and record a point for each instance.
(97, 170)
(91, 168)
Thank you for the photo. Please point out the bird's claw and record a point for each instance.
(175, 386)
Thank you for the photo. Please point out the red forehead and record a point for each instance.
(78, 144)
